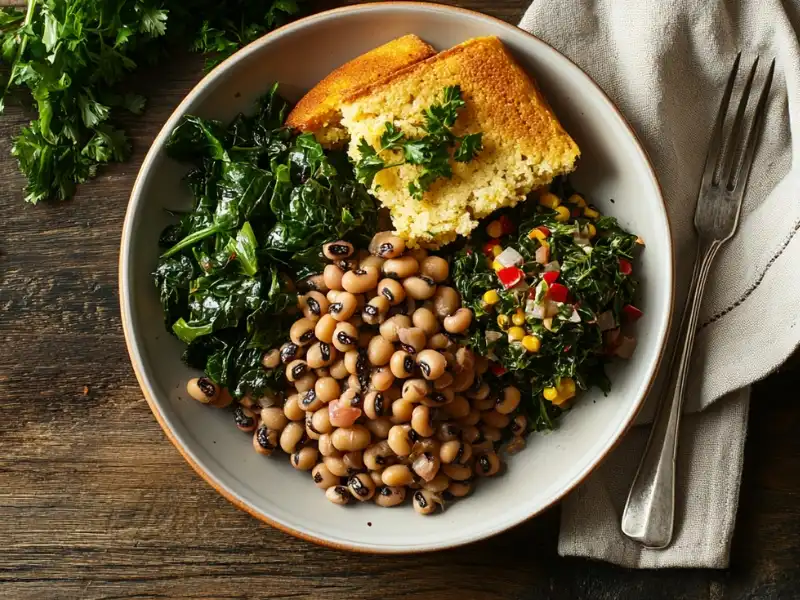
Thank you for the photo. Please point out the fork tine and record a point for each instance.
(739, 177)
(715, 145)
(733, 148)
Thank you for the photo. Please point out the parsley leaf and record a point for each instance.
(469, 146)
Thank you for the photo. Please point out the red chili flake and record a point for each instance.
(631, 312)
(558, 292)
(487, 247)
(551, 276)
(510, 276)
(497, 369)
(506, 225)
(625, 266)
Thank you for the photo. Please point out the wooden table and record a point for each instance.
(96, 503)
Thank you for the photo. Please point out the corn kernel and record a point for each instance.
(494, 229)
(531, 343)
(577, 199)
(591, 230)
(566, 388)
(536, 234)
(497, 250)
(550, 393)
(562, 214)
(544, 243)
(503, 321)
(549, 200)
(491, 297)
(497, 265)
(590, 213)
(515, 334)
(518, 318)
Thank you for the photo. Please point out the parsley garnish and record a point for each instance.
(431, 152)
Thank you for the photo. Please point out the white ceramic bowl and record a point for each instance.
(613, 165)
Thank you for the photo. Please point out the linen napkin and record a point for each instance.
(665, 65)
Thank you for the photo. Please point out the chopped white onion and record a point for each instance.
(553, 265)
(626, 347)
(492, 336)
(587, 249)
(605, 321)
(551, 309)
(543, 255)
(537, 312)
(582, 241)
(574, 317)
(510, 258)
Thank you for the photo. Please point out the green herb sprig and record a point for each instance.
(432, 152)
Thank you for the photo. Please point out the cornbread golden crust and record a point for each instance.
(525, 146)
(318, 111)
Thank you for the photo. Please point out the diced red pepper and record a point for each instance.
(487, 247)
(497, 369)
(469, 251)
(625, 266)
(544, 230)
(551, 276)
(631, 312)
(510, 276)
(506, 225)
(576, 212)
(558, 292)
(567, 348)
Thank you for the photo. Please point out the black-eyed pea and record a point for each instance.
(296, 369)
(487, 464)
(325, 328)
(376, 479)
(343, 307)
(274, 418)
(412, 339)
(459, 489)
(360, 280)
(482, 446)
(426, 465)
(390, 327)
(426, 502)
(337, 250)
(459, 321)
(292, 437)
(354, 461)
(380, 351)
(471, 435)
(306, 382)
(382, 378)
(387, 245)
(313, 305)
(462, 381)
(314, 283)
(457, 471)
(438, 484)
(339, 370)
(265, 440)
(271, 359)
(305, 458)
(347, 439)
(379, 428)
(493, 434)
(335, 464)
(302, 331)
(292, 410)
(338, 494)
(446, 301)
(438, 398)
(455, 451)
(332, 276)
(322, 372)
(480, 392)
(327, 389)
(419, 287)
(439, 341)
(203, 389)
(364, 337)
(321, 421)
(332, 295)
(392, 290)
(419, 254)
(421, 421)
(519, 425)
(397, 475)
(388, 496)
(447, 431)
(484, 404)
(375, 310)
(400, 267)
(414, 390)
(321, 355)
(245, 419)
(458, 408)
(399, 440)
(291, 351)
(376, 405)
(375, 262)
(402, 411)
(481, 365)
(509, 401)
(444, 381)
(322, 477)
(425, 320)
(471, 418)
(435, 267)
(345, 337)
(361, 486)
(431, 363)
(495, 419)
(378, 456)
(402, 364)
(325, 445)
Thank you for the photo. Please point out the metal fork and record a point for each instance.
(650, 511)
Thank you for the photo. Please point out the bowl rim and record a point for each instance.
(125, 300)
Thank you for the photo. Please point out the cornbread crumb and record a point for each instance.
(524, 145)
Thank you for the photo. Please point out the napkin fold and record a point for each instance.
(665, 64)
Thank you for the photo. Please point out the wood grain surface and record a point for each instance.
(96, 503)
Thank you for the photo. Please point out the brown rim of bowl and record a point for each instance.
(339, 546)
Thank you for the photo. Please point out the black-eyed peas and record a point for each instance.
(332, 276)
(444, 381)
(296, 369)
(354, 461)
(421, 421)
(459, 321)
(459, 489)
(347, 439)
(439, 398)
(447, 431)
(376, 479)
(376, 405)
(345, 337)
(203, 389)
(274, 418)
(412, 339)
(371, 261)
(414, 390)
(338, 370)
(325, 445)
(335, 464)
(387, 245)
(302, 331)
(271, 359)
(455, 451)
(400, 440)
(265, 440)
(314, 283)
(425, 320)
(321, 354)
(457, 471)
(402, 410)
(487, 464)
(388, 496)
(306, 382)
(245, 419)
(361, 280)
(419, 287)
(309, 401)
(382, 378)
(458, 408)
(519, 425)
(402, 364)
(322, 477)
(480, 392)
(361, 486)
(439, 341)
(397, 475)
(509, 401)
(380, 351)
(435, 267)
(426, 465)
(305, 458)
(431, 364)
(324, 328)
(327, 389)
(473, 417)
(401, 268)
(483, 404)
(343, 307)
(290, 351)
(337, 250)
(292, 436)
(392, 290)
(390, 327)
(379, 428)
(292, 410)
(338, 494)
(495, 419)
(425, 501)
(471, 435)
(375, 310)
(313, 305)
(446, 301)
(493, 434)
(321, 421)
(462, 381)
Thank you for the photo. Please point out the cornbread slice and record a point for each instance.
(525, 146)
(318, 110)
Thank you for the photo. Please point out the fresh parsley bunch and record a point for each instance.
(431, 152)
(72, 54)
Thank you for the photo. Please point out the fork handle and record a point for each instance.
(650, 511)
